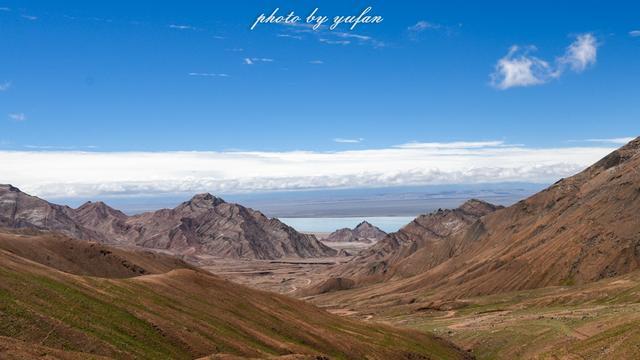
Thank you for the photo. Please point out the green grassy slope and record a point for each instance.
(184, 314)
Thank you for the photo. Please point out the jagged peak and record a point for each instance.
(100, 207)
(364, 223)
(619, 156)
(95, 205)
(9, 187)
(205, 200)
(478, 207)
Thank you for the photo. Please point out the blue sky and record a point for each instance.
(174, 76)
(115, 75)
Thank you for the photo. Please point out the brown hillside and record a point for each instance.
(182, 314)
(581, 229)
(85, 258)
(417, 247)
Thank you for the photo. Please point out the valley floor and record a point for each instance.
(595, 321)
(281, 276)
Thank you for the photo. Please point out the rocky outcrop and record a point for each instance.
(20, 210)
(363, 233)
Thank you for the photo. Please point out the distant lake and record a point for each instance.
(330, 224)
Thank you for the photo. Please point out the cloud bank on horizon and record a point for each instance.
(57, 174)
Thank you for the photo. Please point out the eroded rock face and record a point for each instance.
(208, 225)
(364, 233)
(203, 225)
(19, 210)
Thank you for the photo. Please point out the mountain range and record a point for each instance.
(204, 225)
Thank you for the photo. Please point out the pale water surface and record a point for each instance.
(330, 224)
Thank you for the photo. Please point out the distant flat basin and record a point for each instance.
(330, 224)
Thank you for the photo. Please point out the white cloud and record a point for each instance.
(581, 53)
(622, 140)
(182, 27)
(519, 68)
(5, 86)
(208, 74)
(334, 42)
(451, 145)
(57, 147)
(353, 36)
(297, 37)
(634, 33)
(251, 61)
(348, 141)
(18, 117)
(421, 26)
(316, 62)
(30, 17)
(324, 35)
(89, 174)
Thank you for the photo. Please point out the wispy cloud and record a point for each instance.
(622, 140)
(18, 117)
(333, 37)
(316, 62)
(254, 60)
(421, 26)
(235, 49)
(334, 42)
(297, 37)
(182, 27)
(348, 141)
(519, 68)
(29, 17)
(5, 86)
(581, 53)
(634, 33)
(208, 74)
(353, 36)
(5, 9)
(57, 147)
(88, 174)
(452, 145)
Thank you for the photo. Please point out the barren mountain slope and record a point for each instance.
(182, 314)
(20, 210)
(203, 225)
(364, 232)
(579, 230)
(208, 225)
(417, 247)
(82, 257)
